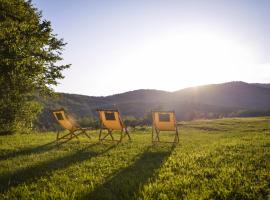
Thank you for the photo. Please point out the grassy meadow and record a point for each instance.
(215, 159)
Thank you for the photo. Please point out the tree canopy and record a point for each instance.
(29, 63)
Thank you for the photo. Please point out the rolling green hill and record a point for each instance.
(209, 101)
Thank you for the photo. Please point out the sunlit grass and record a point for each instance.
(216, 159)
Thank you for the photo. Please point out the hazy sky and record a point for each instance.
(117, 46)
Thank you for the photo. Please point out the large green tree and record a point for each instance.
(29, 63)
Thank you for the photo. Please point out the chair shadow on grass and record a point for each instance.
(34, 172)
(126, 183)
(28, 151)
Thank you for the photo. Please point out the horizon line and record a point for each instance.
(160, 90)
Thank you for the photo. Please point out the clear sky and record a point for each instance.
(117, 46)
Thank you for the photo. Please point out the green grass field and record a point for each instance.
(216, 159)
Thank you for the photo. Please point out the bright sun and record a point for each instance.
(171, 61)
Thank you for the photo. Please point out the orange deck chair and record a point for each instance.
(164, 121)
(67, 122)
(110, 120)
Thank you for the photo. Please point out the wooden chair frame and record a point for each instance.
(124, 131)
(156, 131)
(74, 131)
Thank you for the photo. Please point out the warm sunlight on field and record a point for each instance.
(134, 99)
(215, 159)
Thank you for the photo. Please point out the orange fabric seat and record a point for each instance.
(164, 121)
(68, 122)
(111, 120)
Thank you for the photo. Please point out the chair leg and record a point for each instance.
(177, 136)
(124, 133)
(158, 136)
(110, 132)
(155, 137)
(121, 137)
(74, 135)
(57, 137)
(71, 135)
(87, 135)
(67, 140)
(102, 138)
(127, 133)
(100, 132)
(67, 136)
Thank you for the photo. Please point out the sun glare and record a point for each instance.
(190, 59)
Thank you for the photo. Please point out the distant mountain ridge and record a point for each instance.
(231, 94)
(196, 102)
